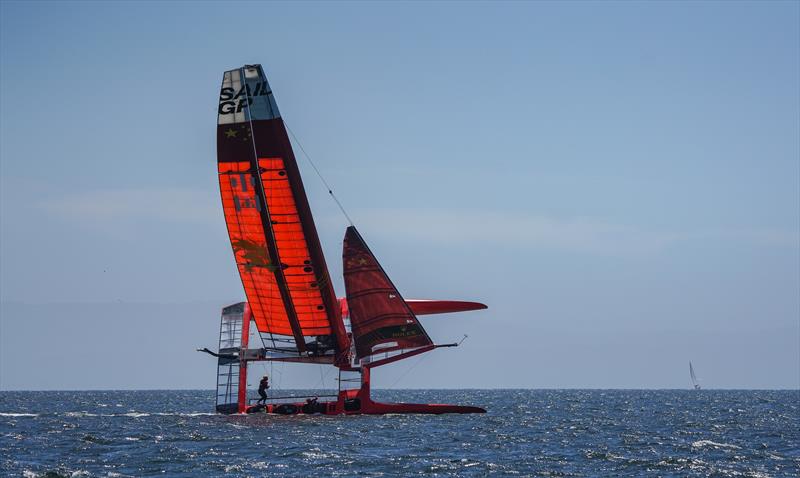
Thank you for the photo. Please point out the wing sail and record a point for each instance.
(382, 322)
(269, 221)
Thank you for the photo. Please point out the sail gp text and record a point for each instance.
(232, 101)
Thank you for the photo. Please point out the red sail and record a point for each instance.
(271, 229)
(381, 320)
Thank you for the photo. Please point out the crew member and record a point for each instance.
(263, 385)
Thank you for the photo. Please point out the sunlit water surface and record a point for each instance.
(525, 433)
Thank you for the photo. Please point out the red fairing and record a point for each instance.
(429, 307)
(381, 320)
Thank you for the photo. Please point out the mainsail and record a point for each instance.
(269, 221)
(695, 382)
(382, 322)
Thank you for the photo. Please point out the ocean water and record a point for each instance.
(525, 433)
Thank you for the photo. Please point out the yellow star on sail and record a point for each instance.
(230, 133)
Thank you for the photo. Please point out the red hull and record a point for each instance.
(339, 407)
(359, 402)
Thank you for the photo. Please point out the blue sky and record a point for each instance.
(620, 182)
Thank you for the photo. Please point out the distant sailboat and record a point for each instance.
(695, 382)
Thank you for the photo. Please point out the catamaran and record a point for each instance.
(695, 382)
(291, 302)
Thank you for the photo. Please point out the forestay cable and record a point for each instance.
(327, 186)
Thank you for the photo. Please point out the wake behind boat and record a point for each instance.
(290, 298)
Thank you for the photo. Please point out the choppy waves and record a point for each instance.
(525, 433)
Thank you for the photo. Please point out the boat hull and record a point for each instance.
(357, 402)
(349, 408)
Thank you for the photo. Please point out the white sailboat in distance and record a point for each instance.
(695, 382)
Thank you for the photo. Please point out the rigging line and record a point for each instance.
(421, 358)
(271, 337)
(331, 369)
(327, 186)
(321, 381)
(279, 371)
(263, 344)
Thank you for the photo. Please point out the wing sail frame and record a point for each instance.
(280, 259)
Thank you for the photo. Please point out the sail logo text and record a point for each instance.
(232, 101)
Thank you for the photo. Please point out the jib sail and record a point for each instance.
(269, 221)
(384, 327)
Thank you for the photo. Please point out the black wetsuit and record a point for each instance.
(263, 385)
